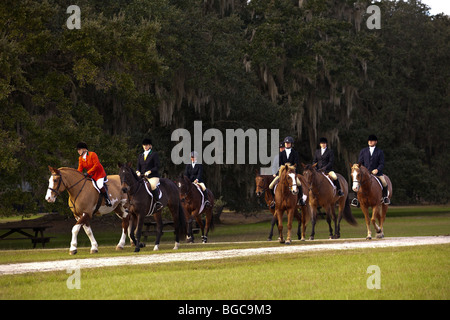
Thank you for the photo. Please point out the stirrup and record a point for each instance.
(355, 202)
(386, 201)
(207, 204)
(272, 204)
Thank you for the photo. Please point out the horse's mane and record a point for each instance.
(286, 168)
(70, 169)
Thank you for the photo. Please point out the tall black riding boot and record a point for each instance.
(300, 201)
(205, 195)
(158, 204)
(386, 200)
(272, 204)
(106, 196)
(338, 187)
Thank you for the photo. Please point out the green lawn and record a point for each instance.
(406, 273)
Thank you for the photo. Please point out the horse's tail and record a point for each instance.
(211, 223)
(348, 216)
(181, 221)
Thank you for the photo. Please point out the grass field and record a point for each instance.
(406, 273)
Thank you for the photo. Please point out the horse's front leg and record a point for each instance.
(376, 212)
(90, 234)
(125, 230)
(140, 223)
(198, 218)
(290, 215)
(279, 214)
(365, 210)
(159, 230)
(272, 224)
(189, 233)
(75, 229)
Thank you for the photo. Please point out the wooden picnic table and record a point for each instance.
(38, 236)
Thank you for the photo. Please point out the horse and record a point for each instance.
(262, 188)
(141, 205)
(322, 193)
(83, 202)
(191, 200)
(286, 199)
(369, 193)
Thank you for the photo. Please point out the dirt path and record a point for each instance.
(20, 268)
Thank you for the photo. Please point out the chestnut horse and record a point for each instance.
(322, 193)
(369, 193)
(83, 199)
(191, 200)
(286, 199)
(262, 188)
(140, 206)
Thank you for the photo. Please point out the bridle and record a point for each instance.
(65, 186)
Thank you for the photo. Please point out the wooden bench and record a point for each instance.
(38, 236)
(150, 228)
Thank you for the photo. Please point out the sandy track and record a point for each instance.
(46, 266)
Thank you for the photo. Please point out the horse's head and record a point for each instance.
(357, 175)
(308, 172)
(288, 176)
(127, 177)
(260, 182)
(55, 185)
(183, 184)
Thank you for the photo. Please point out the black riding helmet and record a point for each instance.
(82, 145)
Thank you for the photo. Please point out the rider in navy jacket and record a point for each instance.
(372, 158)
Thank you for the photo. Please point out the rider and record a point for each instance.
(324, 157)
(372, 158)
(148, 165)
(89, 160)
(288, 155)
(194, 172)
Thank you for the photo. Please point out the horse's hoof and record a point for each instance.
(269, 239)
(302, 239)
(288, 242)
(118, 248)
(311, 238)
(281, 241)
(94, 251)
(380, 235)
(73, 252)
(368, 238)
(137, 249)
(156, 248)
(177, 245)
(337, 236)
(141, 245)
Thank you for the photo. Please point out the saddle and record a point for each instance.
(152, 203)
(202, 206)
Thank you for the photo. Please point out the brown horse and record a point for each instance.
(369, 191)
(286, 199)
(141, 205)
(83, 199)
(262, 188)
(191, 200)
(322, 193)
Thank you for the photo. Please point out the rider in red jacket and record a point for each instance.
(89, 160)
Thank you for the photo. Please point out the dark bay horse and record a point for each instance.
(369, 193)
(322, 193)
(140, 202)
(262, 183)
(83, 199)
(191, 200)
(286, 199)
